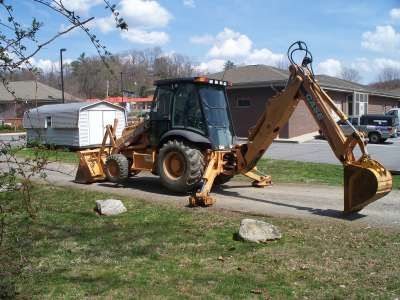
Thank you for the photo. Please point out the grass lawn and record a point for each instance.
(306, 172)
(158, 251)
(60, 155)
(287, 171)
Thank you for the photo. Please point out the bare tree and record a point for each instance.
(350, 74)
(389, 74)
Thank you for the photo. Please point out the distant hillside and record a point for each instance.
(386, 85)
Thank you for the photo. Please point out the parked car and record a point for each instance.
(395, 112)
(378, 127)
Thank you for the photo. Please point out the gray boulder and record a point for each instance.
(258, 231)
(110, 207)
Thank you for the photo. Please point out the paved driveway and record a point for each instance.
(294, 200)
(319, 151)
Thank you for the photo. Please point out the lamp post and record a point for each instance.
(62, 73)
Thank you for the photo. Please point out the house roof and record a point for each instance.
(27, 91)
(262, 75)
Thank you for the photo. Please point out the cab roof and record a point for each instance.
(199, 79)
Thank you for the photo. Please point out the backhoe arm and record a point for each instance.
(365, 179)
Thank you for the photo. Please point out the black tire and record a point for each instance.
(374, 138)
(117, 168)
(222, 179)
(191, 166)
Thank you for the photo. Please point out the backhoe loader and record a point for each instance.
(188, 139)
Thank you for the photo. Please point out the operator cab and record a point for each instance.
(195, 108)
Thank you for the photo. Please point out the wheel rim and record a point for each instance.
(174, 165)
(113, 168)
(374, 138)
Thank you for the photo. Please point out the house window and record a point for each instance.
(47, 122)
(358, 104)
(243, 103)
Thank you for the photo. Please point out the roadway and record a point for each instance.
(319, 151)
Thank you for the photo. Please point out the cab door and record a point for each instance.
(160, 114)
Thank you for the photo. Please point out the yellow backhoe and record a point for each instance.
(188, 139)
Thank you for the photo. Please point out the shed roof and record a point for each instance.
(262, 75)
(69, 107)
(26, 90)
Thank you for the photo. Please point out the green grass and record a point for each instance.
(58, 155)
(290, 171)
(157, 251)
(9, 129)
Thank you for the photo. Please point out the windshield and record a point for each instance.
(216, 114)
(214, 106)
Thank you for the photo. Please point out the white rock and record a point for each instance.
(258, 231)
(110, 207)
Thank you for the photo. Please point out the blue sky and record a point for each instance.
(360, 34)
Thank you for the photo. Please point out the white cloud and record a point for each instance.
(144, 14)
(189, 3)
(264, 56)
(145, 37)
(384, 38)
(202, 39)
(234, 46)
(395, 13)
(81, 6)
(212, 66)
(142, 17)
(105, 25)
(230, 44)
(382, 63)
(331, 67)
(47, 65)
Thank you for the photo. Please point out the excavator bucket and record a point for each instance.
(365, 181)
(91, 166)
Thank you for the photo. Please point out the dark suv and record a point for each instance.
(378, 127)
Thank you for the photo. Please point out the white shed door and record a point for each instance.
(98, 120)
(108, 118)
(95, 128)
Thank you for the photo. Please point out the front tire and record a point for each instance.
(374, 138)
(116, 168)
(180, 166)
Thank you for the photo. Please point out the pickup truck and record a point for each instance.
(378, 128)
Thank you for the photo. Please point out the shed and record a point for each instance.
(75, 125)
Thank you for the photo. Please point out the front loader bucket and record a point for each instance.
(365, 181)
(90, 167)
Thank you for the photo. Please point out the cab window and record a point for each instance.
(187, 109)
(162, 101)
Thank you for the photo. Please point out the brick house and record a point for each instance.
(27, 94)
(253, 85)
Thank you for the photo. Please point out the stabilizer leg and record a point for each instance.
(214, 168)
(259, 180)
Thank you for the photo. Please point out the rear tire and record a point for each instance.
(180, 166)
(374, 138)
(116, 168)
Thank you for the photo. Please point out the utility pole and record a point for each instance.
(108, 88)
(62, 73)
